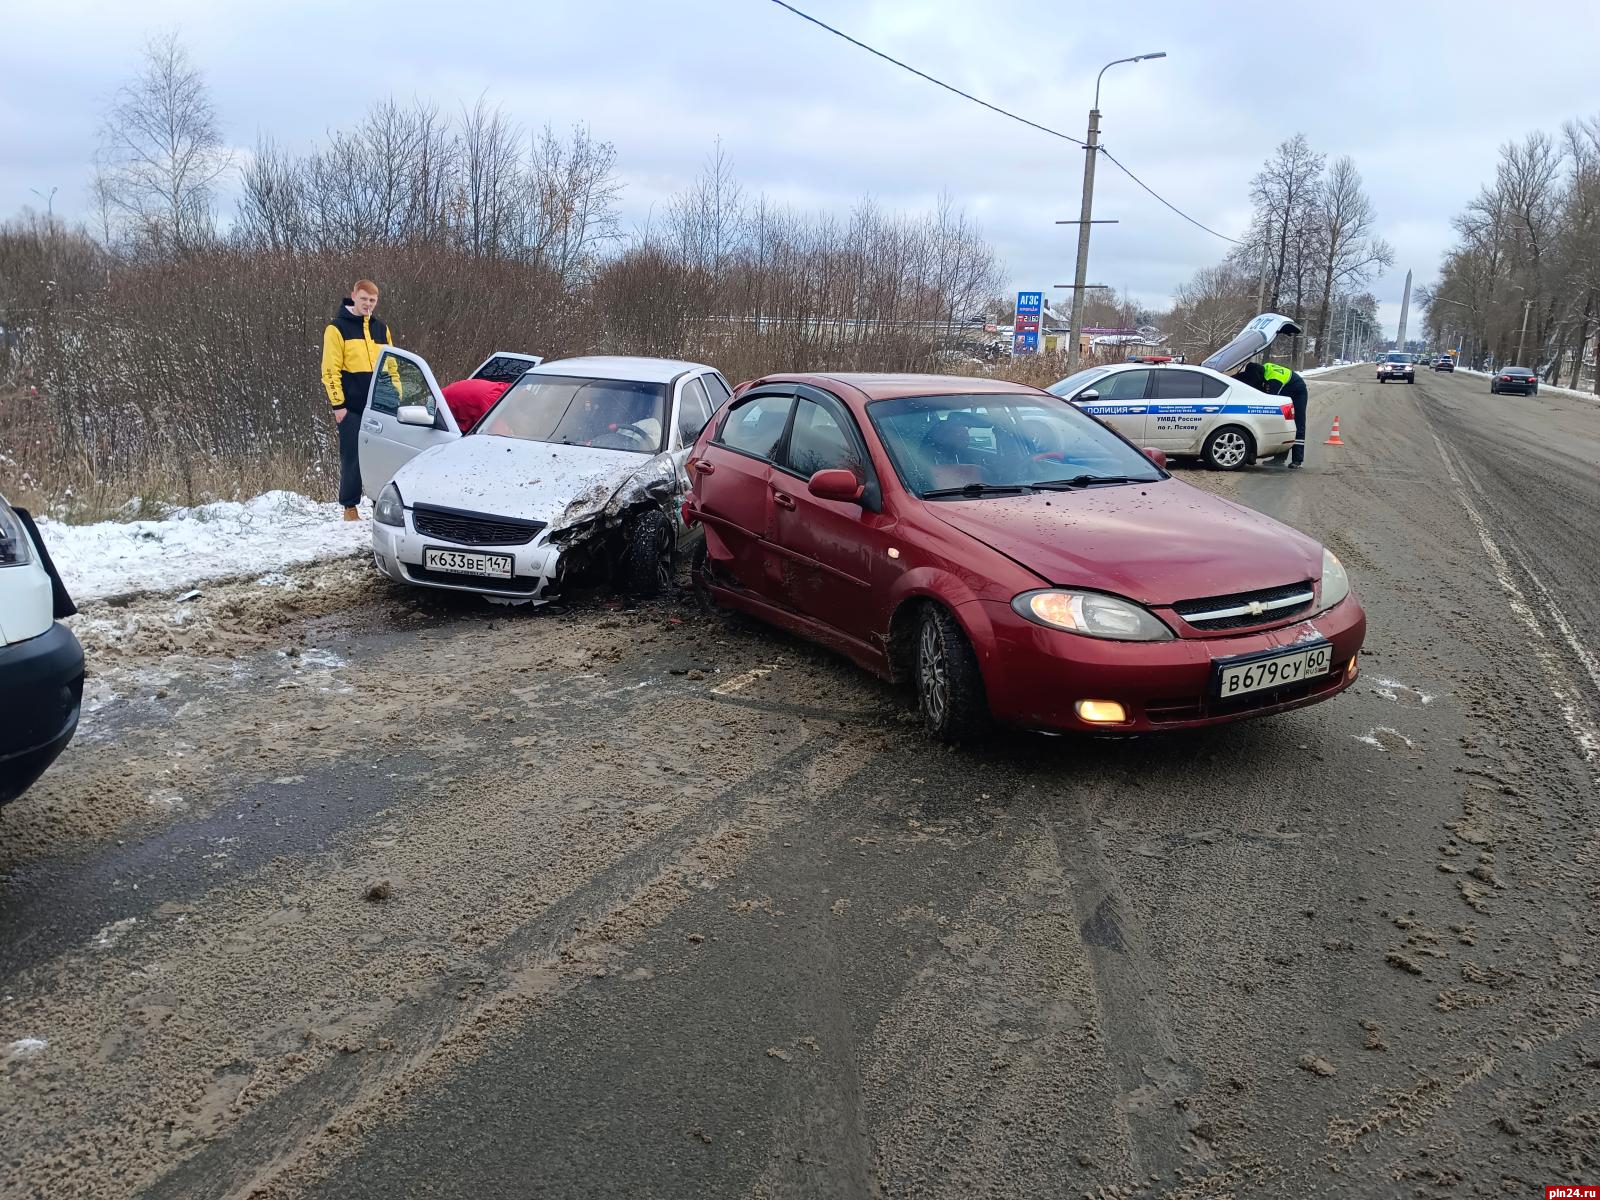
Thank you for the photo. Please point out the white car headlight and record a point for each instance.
(1092, 614)
(1335, 583)
(16, 550)
(389, 510)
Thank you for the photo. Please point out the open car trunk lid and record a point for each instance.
(1252, 340)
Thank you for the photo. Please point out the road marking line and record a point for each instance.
(1572, 709)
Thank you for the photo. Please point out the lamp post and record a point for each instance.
(1523, 336)
(1091, 145)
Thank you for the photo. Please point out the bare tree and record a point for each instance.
(161, 152)
(1348, 252)
(1285, 194)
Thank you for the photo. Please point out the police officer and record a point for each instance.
(1277, 380)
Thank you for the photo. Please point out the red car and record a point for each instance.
(1013, 557)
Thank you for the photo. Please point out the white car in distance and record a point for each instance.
(577, 473)
(1184, 411)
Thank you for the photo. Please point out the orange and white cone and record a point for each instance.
(1333, 438)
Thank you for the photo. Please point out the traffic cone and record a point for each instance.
(1333, 438)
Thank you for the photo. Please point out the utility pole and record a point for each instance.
(1091, 147)
(1523, 336)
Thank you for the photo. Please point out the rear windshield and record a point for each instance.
(610, 414)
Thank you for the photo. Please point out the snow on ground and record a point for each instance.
(193, 545)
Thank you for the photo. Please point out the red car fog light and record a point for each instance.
(1101, 712)
(1350, 668)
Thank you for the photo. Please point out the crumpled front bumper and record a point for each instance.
(535, 566)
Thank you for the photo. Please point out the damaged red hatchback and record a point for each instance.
(1014, 558)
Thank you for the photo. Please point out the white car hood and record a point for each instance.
(510, 477)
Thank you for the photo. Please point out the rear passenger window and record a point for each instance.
(1211, 388)
(756, 425)
(717, 389)
(1177, 385)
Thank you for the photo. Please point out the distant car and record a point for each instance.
(1397, 366)
(41, 663)
(1444, 363)
(577, 473)
(1013, 559)
(1514, 379)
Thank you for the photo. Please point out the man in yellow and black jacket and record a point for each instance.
(1278, 380)
(350, 347)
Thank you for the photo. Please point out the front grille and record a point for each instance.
(473, 529)
(1234, 611)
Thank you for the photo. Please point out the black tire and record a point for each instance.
(647, 556)
(1227, 448)
(950, 693)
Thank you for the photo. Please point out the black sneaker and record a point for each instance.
(1294, 466)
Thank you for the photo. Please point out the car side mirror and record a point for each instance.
(836, 484)
(1158, 457)
(415, 414)
(1085, 397)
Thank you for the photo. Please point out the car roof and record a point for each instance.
(620, 366)
(884, 386)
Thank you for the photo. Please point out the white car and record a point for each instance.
(1199, 411)
(577, 472)
(41, 663)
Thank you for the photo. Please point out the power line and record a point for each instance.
(1168, 203)
(1003, 112)
(924, 75)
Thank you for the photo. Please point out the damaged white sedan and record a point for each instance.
(576, 474)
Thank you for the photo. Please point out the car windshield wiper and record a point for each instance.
(978, 489)
(1078, 481)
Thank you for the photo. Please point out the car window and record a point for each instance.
(716, 389)
(756, 425)
(1124, 385)
(819, 443)
(694, 410)
(1005, 440)
(400, 382)
(1178, 385)
(610, 414)
(1211, 387)
(1075, 383)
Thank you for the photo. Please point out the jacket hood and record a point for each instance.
(342, 309)
(509, 477)
(1156, 543)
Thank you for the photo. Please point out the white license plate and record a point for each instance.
(462, 562)
(1262, 673)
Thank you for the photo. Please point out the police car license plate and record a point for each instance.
(493, 566)
(1261, 672)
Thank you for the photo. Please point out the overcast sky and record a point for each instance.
(1420, 94)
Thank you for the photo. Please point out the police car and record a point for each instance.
(1192, 411)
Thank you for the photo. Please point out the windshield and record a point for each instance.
(611, 414)
(1399, 358)
(1073, 384)
(1004, 442)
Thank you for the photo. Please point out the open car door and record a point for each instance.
(1252, 340)
(505, 366)
(406, 414)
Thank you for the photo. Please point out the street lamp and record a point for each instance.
(1090, 146)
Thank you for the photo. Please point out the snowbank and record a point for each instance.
(193, 545)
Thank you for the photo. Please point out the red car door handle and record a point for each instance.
(783, 499)
(703, 466)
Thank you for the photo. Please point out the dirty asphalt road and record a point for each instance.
(347, 892)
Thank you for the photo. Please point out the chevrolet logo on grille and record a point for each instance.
(1257, 608)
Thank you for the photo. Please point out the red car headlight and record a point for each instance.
(1092, 614)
